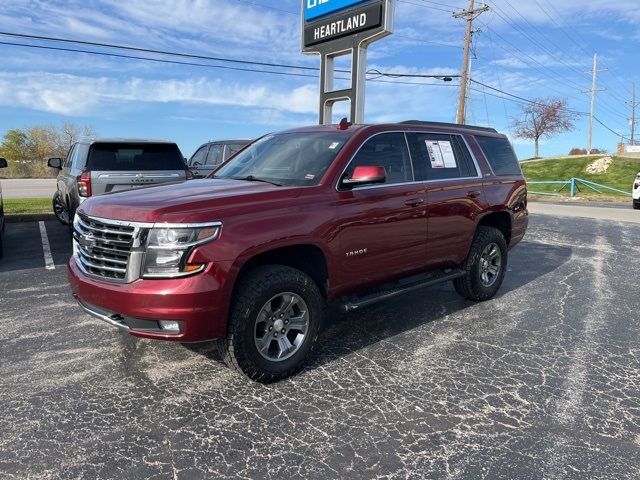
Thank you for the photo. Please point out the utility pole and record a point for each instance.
(594, 73)
(469, 15)
(632, 120)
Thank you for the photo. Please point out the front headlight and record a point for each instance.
(169, 247)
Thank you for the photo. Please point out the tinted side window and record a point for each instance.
(500, 155)
(232, 149)
(199, 156)
(214, 157)
(79, 157)
(439, 157)
(67, 160)
(388, 150)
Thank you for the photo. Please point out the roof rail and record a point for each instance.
(444, 124)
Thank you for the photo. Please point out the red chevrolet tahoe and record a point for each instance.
(348, 214)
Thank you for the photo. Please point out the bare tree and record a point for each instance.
(543, 118)
(70, 133)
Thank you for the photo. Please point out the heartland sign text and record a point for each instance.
(341, 26)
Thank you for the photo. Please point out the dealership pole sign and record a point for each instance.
(334, 28)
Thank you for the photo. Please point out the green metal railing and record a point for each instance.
(574, 184)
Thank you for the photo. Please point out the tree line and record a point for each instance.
(28, 149)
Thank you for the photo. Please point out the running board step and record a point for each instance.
(357, 302)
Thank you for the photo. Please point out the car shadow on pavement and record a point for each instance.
(344, 334)
(23, 246)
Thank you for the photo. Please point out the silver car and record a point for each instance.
(212, 154)
(97, 166)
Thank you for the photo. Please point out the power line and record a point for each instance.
(425, 6)
(269, 7)
(150, 50)
(556, 77)
(508, 20)
(533, 40)
(524, 101)
(611, 91)
(575, 32)
(158, 60)
(502, 93)
(429, 42)
(226, 67)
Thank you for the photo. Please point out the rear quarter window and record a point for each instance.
(134, 156)
(500, 155)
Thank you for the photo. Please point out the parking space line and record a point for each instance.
(46, 248)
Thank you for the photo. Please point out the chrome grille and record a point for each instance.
(103, 248)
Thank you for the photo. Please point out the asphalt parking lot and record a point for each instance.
(541, 382)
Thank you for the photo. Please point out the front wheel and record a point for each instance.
(485, 265)
(636, 204)
(274, 321)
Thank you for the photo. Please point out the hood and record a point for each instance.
(192, 201)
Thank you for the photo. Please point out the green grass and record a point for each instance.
(620, 174)
(27, 205)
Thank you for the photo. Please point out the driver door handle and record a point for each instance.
(414, 202)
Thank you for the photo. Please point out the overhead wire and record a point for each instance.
(225, 67)
(247, 62)
(573, 31)
(497, 10)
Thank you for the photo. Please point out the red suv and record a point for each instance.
(346, 213)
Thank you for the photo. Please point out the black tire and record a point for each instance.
(471, 285)
(60, 210)
(255, 291)
(636, 205)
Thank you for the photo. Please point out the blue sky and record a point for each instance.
(538, 49)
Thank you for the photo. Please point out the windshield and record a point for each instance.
(291, 159)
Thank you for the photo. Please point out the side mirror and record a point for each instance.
(55, 162)
(364, 175)
(3, 163)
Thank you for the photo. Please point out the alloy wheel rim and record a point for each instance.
(281, 326)
(490, 264)
(61, 212)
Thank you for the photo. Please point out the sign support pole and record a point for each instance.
(370, 21)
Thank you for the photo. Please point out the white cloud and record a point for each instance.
(77, 95)
(81, 95)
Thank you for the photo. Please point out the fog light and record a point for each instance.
(169, 325)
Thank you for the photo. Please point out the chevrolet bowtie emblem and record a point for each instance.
(87, 241)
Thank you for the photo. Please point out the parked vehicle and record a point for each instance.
(635, 192)
(212, 154)
(351, 214)
(97, 166)
(3, 164)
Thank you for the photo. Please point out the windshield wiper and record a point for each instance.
(251, 178)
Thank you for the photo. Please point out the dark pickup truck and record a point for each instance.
(347, 214)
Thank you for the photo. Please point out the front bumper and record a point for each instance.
(195, 302)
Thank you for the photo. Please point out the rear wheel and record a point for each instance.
(485, 265)
(60, 209)
(274, 321)
(636, 204)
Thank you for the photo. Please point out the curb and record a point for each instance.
(626, 205)
(28, 217)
